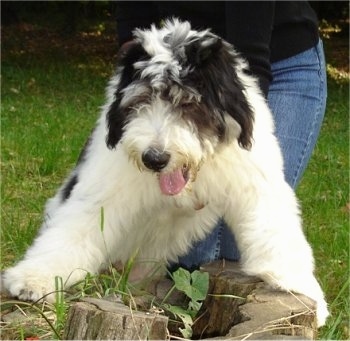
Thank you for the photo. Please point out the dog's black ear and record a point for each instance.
(235, 104)
(115, 121)
(202, 51)
(129, 53)
(221, 88)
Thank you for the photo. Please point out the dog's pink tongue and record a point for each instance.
(172, 183)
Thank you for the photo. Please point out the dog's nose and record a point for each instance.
(155, 159)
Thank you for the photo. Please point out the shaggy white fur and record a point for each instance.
(185, 138)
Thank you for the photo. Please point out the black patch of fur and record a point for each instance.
(66, 191)
(116, 116)
(68, 188)
(127, 57)
(215, 79)
(201, 51)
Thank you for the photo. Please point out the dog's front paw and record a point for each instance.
(321, 312)
(28, 284)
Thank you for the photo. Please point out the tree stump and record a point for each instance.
(97, 319)
(257, 312)
(261, 313)
(219, 313)
(271, 314)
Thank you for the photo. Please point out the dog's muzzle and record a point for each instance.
(170, 182)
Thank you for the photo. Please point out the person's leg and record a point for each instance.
(203, 251)
(297, 99)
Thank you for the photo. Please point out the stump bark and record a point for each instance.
(96, 319)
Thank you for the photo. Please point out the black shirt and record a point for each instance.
(263, 31)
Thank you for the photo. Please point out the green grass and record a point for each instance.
(324, 194)
(50, 105)
(47, 113)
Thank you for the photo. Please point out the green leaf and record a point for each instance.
(195, 285)
(186, 332)
(180, 312)
(199, 285)
(182, 280)
(193, 307)
(185, 317)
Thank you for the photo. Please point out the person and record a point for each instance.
(281, 43)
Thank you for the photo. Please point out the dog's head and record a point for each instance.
(177, 98)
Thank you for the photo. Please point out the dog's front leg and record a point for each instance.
(267, 227)
(71, 243)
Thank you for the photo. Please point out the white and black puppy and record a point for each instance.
(185, 138)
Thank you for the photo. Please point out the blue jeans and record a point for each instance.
(297, 99)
